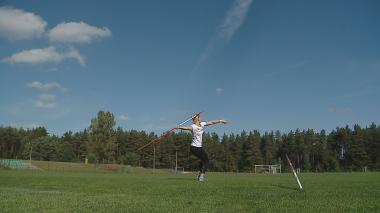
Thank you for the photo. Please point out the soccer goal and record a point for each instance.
(179, 169)
(269, 169)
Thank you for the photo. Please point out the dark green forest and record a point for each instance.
(343, 149)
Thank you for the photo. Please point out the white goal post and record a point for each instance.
(270, 169)
(179, 169)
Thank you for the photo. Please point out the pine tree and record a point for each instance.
(372, 145)
(268, 149)
(227, 155)
(233, 153)
(357, 153)
(102, 137)
(252, 152)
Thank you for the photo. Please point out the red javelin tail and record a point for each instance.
(158, 140)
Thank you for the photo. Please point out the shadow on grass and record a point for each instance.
(285, 187)
(182, 179)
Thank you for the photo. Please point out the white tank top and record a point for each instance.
(197, 134)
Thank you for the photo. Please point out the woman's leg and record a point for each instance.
(202, 155)
(205, 162)
(197, 151)
(200, 166)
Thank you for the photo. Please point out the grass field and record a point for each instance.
(63, 191)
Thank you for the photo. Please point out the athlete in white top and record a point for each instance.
(197, 130)
(197, 134)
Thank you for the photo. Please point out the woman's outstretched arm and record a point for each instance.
(208, 123)
(188, 128)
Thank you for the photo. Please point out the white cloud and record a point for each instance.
(77, 32)
(35, 56)
(74, 54)
(32, 126)
(234, 18)
(47, 86)
(46, 101)
(25, 126)
(49, 54)
(47, 97)
(45, 105)
(219, 91)
(16, 24)
(122, 117)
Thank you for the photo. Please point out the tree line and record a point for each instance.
(343, 149)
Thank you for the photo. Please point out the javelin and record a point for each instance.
(167, 133)
(294, 172)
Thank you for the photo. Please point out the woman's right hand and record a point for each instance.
(223, 121)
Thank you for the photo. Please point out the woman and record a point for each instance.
(197, 130)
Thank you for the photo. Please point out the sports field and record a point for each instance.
(62, 191)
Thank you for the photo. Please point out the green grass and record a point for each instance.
(81, 167)
(62, 191)
(75, 167)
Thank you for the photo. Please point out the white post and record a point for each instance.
(30, 154)
(176, 164)
(154, 157)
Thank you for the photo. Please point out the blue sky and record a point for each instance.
(261, 64)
